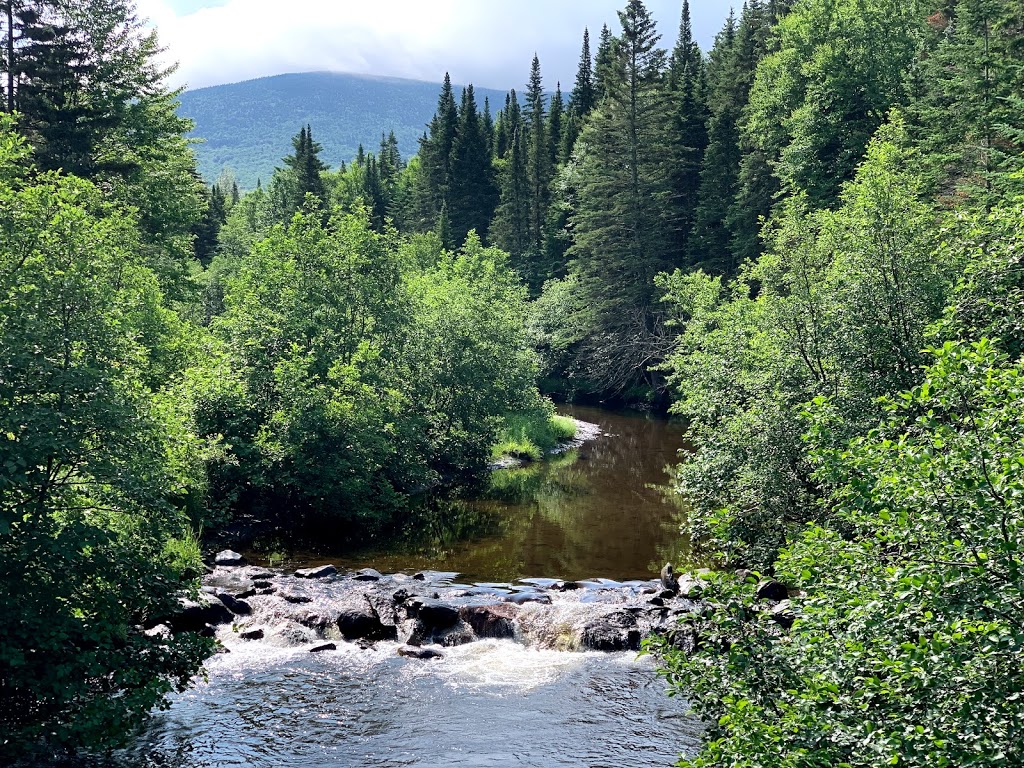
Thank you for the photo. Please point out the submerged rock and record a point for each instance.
(252, 634)
(414, 652)
(324, 647)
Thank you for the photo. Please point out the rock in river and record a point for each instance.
(436, 615)
(316, 573)
(413, 652)
(228, 558)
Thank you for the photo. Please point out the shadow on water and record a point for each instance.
(600, 510)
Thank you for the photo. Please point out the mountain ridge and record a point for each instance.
(247, 126)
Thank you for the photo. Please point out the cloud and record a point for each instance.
(488, 43)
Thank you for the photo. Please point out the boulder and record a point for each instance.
(368, 574)
(772, 590)
(783, 614)
(324, 647)
(316, 573)
(668, 578)
(228, 558)
(436, 615)
(491, 621)
(252, 634)
(296, 599)
(195, 615)
(363, 624)
(566, 586)
(414, 652)
(612, 632)
(237, 607)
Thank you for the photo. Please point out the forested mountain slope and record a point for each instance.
(244, 125)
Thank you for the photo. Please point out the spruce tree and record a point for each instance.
(604, 62)
(474, 194)
(435, 157)
(581, 101)
(539, 167)
(620, 226)
(556, 123)
(510, 229)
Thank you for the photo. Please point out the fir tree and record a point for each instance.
(538, 156)
(581, 101)
(556, 124)
(435, 157)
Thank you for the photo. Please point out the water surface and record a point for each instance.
(602, 510)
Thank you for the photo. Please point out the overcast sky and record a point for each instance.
(487, 42)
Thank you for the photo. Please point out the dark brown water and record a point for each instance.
(602, 510)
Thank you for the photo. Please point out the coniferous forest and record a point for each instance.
(805, 242)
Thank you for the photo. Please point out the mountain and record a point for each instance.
(248, 126)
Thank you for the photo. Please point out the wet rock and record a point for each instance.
(290, 635)
(540, 583)
(237, 607)
(262, 584)
(230, 559)
(435, 615)
(195, 615)
(362, 624)
(315, 620)
(566, 586)
(612, 632)
(400, 596)
(324, 647)
(262, 575)
(783, 614)
(296, 599)
(772, 590)
(521, 598)
(368, 574)
(231, 583)
(252, 634)
(420, 576)
(316, 573)
(668, 578)
(491, 621)
(656, 601)
(460, 634)
(667, 594)
(414, 652)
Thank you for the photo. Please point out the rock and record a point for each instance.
(690, 587)
(229, 559)
(491, 621)
(195, 615)
(566, 586)
(400, 597)
(232, 583)
(252, 634)
(435, 615)
(316, 573)
(419, 576)
(668, 578)
(324, 647)
(667, 594)
(604, 636)
(521, 598)
(237, 607)
(363, 624)
(772, 590)
(262, 584)
(656, 601)
(368, 574)
(413, 652)
(296, 599)
(288, 634)
(783, 614)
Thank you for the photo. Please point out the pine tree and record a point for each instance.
(510, 229)
(306, 168)
(474, 194)
(604, 62)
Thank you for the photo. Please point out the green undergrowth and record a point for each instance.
(530, 435)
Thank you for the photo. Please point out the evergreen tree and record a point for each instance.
(581, 101)
(604, 63)
(305, 166)
(621, 227)
(538, 158)
(556, 122)
(510, 230)
(474, 194)
(435, 157)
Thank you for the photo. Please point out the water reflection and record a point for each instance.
(597, 511)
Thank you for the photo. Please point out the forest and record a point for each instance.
(804, 242)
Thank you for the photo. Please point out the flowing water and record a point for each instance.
(589, 513)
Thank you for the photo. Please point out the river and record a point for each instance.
(593, 512)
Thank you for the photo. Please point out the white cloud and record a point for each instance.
(485, 42)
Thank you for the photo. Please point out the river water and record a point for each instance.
(590, 513)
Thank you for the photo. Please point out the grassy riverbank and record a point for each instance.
(530, 435)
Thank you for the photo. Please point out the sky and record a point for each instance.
(488, 43)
